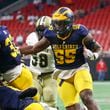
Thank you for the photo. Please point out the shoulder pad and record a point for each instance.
(76, 27)
(3, 27)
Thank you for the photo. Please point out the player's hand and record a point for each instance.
(30, 92)
(91, 55)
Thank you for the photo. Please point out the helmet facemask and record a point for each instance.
(62, 27)
(40, 30)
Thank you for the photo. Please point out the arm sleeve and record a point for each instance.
(3, 35)
(49, 34)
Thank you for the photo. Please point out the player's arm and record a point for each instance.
(39, 46)
(93, 48)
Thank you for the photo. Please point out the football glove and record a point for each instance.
(30, 92)
(91, 55)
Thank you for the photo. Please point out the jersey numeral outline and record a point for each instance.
(65, 56)
(14, 51)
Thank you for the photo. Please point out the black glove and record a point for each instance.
(30, 92)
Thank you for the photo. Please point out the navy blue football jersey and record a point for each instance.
(68, 52)
(9, 55)
(9, 99)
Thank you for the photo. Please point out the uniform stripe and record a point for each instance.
(45, 21)
(42, 20)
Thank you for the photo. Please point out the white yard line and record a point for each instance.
(102, 83)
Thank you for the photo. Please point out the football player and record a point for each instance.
(42, 64)
(11, 67)
(14, 99)
(68, 41)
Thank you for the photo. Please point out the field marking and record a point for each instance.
(102, 83)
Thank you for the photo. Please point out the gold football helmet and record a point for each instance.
(62, 20)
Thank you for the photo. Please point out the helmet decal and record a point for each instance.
(63, 13)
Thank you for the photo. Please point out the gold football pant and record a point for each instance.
(34, 106)
(24, 81)
(69, 89)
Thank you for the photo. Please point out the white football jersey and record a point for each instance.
(42, 61)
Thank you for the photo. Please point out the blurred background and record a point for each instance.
(20, 17)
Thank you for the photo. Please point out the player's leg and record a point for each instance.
(39, 85)
(68, 95)
(34, 106)
(84, 85)
(39, 106)
(24, 81)
(50, 88)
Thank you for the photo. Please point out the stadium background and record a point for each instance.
(20, 17)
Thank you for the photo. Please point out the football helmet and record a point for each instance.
(41, 24)
(62, 20)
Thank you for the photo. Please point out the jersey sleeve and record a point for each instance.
(31, 39)
(3, 33)
(83, 31)
(49, 34)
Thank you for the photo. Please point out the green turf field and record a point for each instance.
(101, 95)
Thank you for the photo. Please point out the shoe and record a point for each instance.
(30, 92)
